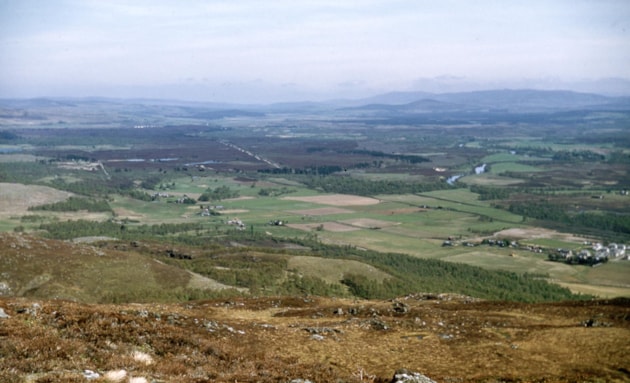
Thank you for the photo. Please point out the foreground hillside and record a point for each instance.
(118, 271)
(280, 339)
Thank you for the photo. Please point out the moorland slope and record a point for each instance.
(278, 339)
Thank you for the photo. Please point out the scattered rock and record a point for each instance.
(211, 326)
(89, 374)
(404, 376)
(401, 308)
(33, 310)
(379, 325)
(592, 322)
(338, 311)
(323, 330)
(300, 381)
(317, 337)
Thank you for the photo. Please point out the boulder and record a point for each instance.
(3, 315)
(405, 376)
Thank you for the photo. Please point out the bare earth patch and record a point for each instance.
(321, 211)
(337, 200)
(328, 226)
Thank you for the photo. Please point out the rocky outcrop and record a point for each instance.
(405, 376)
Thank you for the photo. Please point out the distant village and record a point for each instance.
(595, 255)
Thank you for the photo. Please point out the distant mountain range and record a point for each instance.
(503, 100)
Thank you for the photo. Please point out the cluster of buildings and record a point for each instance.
(613, 250)
(596, 255)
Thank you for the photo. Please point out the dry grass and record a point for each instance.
(272, 339)
(15, 199)
(38, 267)
(332, 270)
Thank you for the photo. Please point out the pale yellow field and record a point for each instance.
(337, 200)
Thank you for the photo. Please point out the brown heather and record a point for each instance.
(448, 338)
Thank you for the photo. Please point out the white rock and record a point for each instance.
(138, 380)
(115, 376)
(89, 374)
(142, 357)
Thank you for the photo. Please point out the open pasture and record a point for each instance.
(490, 179)
(460, 200)
(334, 227)
(369, 223)
(501, 167)
(509, 157)
(321, 211)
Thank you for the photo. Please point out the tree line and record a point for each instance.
(545, 210)
(75, 204)
(358, 186)
(218, 194)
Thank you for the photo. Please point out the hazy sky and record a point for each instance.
(256, 51)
